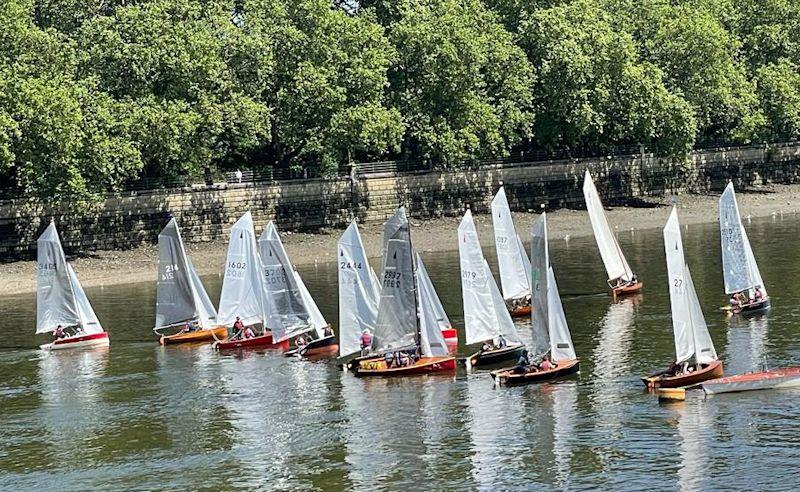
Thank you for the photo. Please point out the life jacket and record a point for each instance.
(366, 339)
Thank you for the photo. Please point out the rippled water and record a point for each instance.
(142, 416)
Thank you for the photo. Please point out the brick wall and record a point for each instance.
(207, 213)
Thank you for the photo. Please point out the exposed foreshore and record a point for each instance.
(140, 264)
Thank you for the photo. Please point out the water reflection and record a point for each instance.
(696, 434)
(745, 347)
(562, 400)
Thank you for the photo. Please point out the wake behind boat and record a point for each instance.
(62, 307)
(621, 279)
(486, 318)
(742, 278)
(512, 260)
(692, 339)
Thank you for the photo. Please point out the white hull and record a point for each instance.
(69, 343)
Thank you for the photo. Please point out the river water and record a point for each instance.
(141, 416)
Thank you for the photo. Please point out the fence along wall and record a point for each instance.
(206, 213)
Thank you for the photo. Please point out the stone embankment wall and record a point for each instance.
(206, 213)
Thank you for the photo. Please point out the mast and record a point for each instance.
(418, 334)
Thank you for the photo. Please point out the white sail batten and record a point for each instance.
(396, 324)
(286, 313)
(432, 342)
(314, 314)
(738, 263)
(481, 317)
(359, 292)
(55, 299)
(242, 292)
(511, 257)
(561, 348)
(88, 319)
(540, 262)
(613, 259)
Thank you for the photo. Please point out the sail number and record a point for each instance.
(169, 272)
(468, 275)
(350, 265)
(392, 279)
(502, 242)
(275, 275)
(235, 269)
(47, 269)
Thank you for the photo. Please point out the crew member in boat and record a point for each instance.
(248, 333)
(328, 332)
(301, 341)
(501, 342)
(238, 329)
(546, 365)
(523, 364)
(59, 332)
(759, 294)
(388, 359)
(366, 341)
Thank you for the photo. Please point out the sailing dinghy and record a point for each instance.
(243, 295)
(621, 279)
(692, 340)
(324, 345)
(549, 330)
(61, 300)
(511, 258)
(486, 318)
(742, 279)
(407, 329)
(182, 304)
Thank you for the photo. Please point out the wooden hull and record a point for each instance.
(205, 335)
(261, 342)
(425, 365)
(662, 380)
(317, 349)
(521, 311)
(507, 376)
(628, 289)
(496, 356)
(787, 377)
(77, 342)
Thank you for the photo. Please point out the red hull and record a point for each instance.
(661, 380)
(263, 342)
(93, 340)
(426, 365)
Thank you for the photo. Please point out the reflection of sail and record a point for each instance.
(744, 350)
(71, 399)
(695, 428)
(563, 399)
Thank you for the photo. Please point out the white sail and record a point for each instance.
(314, 314)
(704, 351)
(738, 263)
(432, 342)
(359, 292)
(242, 286)
(561, 347)
(88, 319)
(180, 296)
(613, 259)
(681, 318)
(397, 311)
(485, 312)
(511, 257)
(55, 300)
(286, 313)
(540, 262)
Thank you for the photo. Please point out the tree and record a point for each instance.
(779, 90)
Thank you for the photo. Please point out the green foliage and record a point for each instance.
(779, 91)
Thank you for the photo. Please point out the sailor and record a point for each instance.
(388, 358)
(238, 328)
(187, 327)
(546, 365)
(366, 341)
(248, 333)
(501, 341)
(301, 341)
(328, 332)
(59, 332)
(759, 296)
(523, 364)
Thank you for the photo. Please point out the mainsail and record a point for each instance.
(431, 315)
(314, 314)
(396, 325)
(287, 315)
(561, 347)
(511, 258)
(540, 262)
(243, 285)
(613, 259)
(485, 312)
(180, 295)
(688, 324)
(359, 292)
(738, 263)
(55, 299)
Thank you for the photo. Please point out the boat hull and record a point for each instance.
(317, 349)
(521, 311)
(77, 342)
(662, 380)
(204, 335)
(262, 342)
(496, 356)
(788, 377)
(507, 376)
(628, 289)
(426, 365)
(754, 308)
